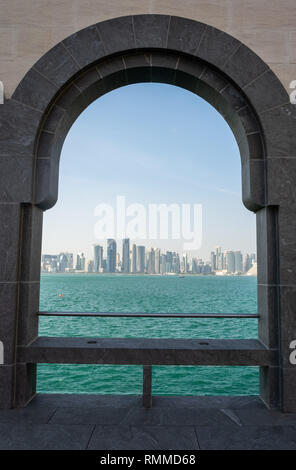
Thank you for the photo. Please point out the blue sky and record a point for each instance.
(152, 143)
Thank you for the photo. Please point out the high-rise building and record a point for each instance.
(69, 257)
(134, 259)
(89, 266)
(80, 262)
(140, 259)
(230, 261)
(62, 263)
(169, 262)
(49, 263)
(196, 266)
(157, 260)
(184, 263)
(176, 265)
(125, 268)
(238, 262)
(163, 264)
(104, 266)
(98, 258)
(118, 262)
(213, 261)
(111, 255)
(151, 261)
(247, 263)
(219, 259)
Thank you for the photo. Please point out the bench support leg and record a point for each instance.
(147, 386)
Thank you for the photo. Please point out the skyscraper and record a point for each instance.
(157, 260)
(219, 259)
(111, 255)
(238, 262)
(80, 262)
(213, 261)
(89, 266)
(125, 268)
(69, 257)
(118, 262)
(247, 263)
(151, 261)
(134, 259)
(169, 261)
(230, 261)
(163, 264)
(98, 258)
(176, 264)
(140, 259)
(185, 263)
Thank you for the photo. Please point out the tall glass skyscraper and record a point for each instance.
(125, 268)
(111, 255)
(134, 259)
(230, 261)
(98, 258)
(238, 261)
(140, 259)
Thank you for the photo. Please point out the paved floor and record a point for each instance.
(120, 422)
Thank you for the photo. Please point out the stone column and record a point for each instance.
(17, 123)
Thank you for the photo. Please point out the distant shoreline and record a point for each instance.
(180, 275)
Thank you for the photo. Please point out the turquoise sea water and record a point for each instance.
(154, 294)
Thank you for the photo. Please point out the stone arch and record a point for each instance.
(173, 50)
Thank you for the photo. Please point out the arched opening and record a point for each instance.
(151, 143)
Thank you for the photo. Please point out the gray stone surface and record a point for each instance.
(270, 391)
(24, 416)
(247, 438)
(287, 244)
(89, 415)
(282, 175)
(289, 387)
(8, 303)
(18, 129)
(266, 224)
(28, 320)
(117, 34)
(16, 179)
(268, 324)
(266, 92)
(25, 383)
(86, 46)
(9, 247)
(175, 417)
(109, 422)
(44, 437)
(31, 244)
(278, 125)
(185, 35)
(35, 90)
(145, 351)
(147, 386)
(236, 67)
(143, 438)
(253, 190)
(6, 386)
(57, 65)
(288, 323)
(217, 47)
(151, 30)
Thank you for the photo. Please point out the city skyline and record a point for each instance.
(136, 259)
